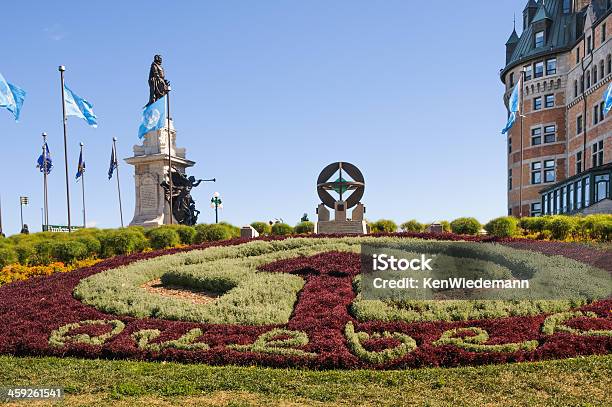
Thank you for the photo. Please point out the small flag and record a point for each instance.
(79, 107)
(45, 164)
(513, 107)
(113, 163)
(608, 99)
(81, 167)
(153, 117)
(11, 97)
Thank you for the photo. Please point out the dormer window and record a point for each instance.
(539, 39)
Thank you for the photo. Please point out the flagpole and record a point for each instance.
(83, 186)
(45, 185)
(118, 184)
(169, 154)
(521, 130)
(1, 231)
(62, 68)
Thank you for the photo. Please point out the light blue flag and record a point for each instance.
(608, 99)
(153, 117)
(79, 107)
(513, 107)
(11, 97)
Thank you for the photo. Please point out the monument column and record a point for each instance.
(150, 163)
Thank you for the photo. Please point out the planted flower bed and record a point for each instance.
(301, 311)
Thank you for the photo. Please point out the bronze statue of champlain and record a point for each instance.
(158, 85)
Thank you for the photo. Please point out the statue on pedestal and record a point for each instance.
(158, 85)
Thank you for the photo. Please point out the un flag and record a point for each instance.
(153, 117)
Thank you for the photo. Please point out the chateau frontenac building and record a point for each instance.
(560, 148)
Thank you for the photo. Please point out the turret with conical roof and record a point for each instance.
(511, 45)
(529, 12)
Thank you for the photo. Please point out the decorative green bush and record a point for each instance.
(281, 229)
(465, 226)
(122, 241)
(505, 226)
(186, 233)
(7, 256)
(304, 227)
(92, 245)
(263, 228)
(561, 227)
(25, 253)
(412, 226)
(212, 233)
(384, 226)
(163, 237)
(69, 251)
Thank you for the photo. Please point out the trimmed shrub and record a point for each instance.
(69, 251)
(561, 227)
(122, 241)
(212, 233)
(465, 226)
(43, 253)
(597, 227)
(263, 228)
(536, 224)
(304, 227)
(412, 226)
(505, 226)
(163, 237)
(234, 230)
(25, 253)
(185, 233)
(281, 229)
(445, 226)
(93, 245)
(384, 226)
(7, 256)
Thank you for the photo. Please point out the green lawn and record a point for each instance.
(572, 382)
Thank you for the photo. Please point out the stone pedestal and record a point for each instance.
(341, 224)
(150, 163)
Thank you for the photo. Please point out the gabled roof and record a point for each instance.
(541, 14)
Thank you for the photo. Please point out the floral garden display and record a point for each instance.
(286, 302)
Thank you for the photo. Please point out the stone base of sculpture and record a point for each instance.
(150, 163)
(340, 224)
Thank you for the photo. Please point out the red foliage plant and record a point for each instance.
(34, 311)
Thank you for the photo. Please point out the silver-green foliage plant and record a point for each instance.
(61, 336)
(355, 342)
(279, 342)
(476, 341)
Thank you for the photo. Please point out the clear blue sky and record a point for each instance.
(265, 94)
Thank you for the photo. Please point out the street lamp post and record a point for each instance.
(216, 204)
(23, 200)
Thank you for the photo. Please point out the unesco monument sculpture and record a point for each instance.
(349, 187)
(151, 166)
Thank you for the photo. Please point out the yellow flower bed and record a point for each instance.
(15, 272)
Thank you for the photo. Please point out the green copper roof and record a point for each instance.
(541, 14)
(514, 38)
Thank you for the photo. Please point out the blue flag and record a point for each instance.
(113, 164)
(513, 107)
(81, 167)
(11, 97)
(79, 107)
(153, 117)
(45, 164)
(608, 99)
